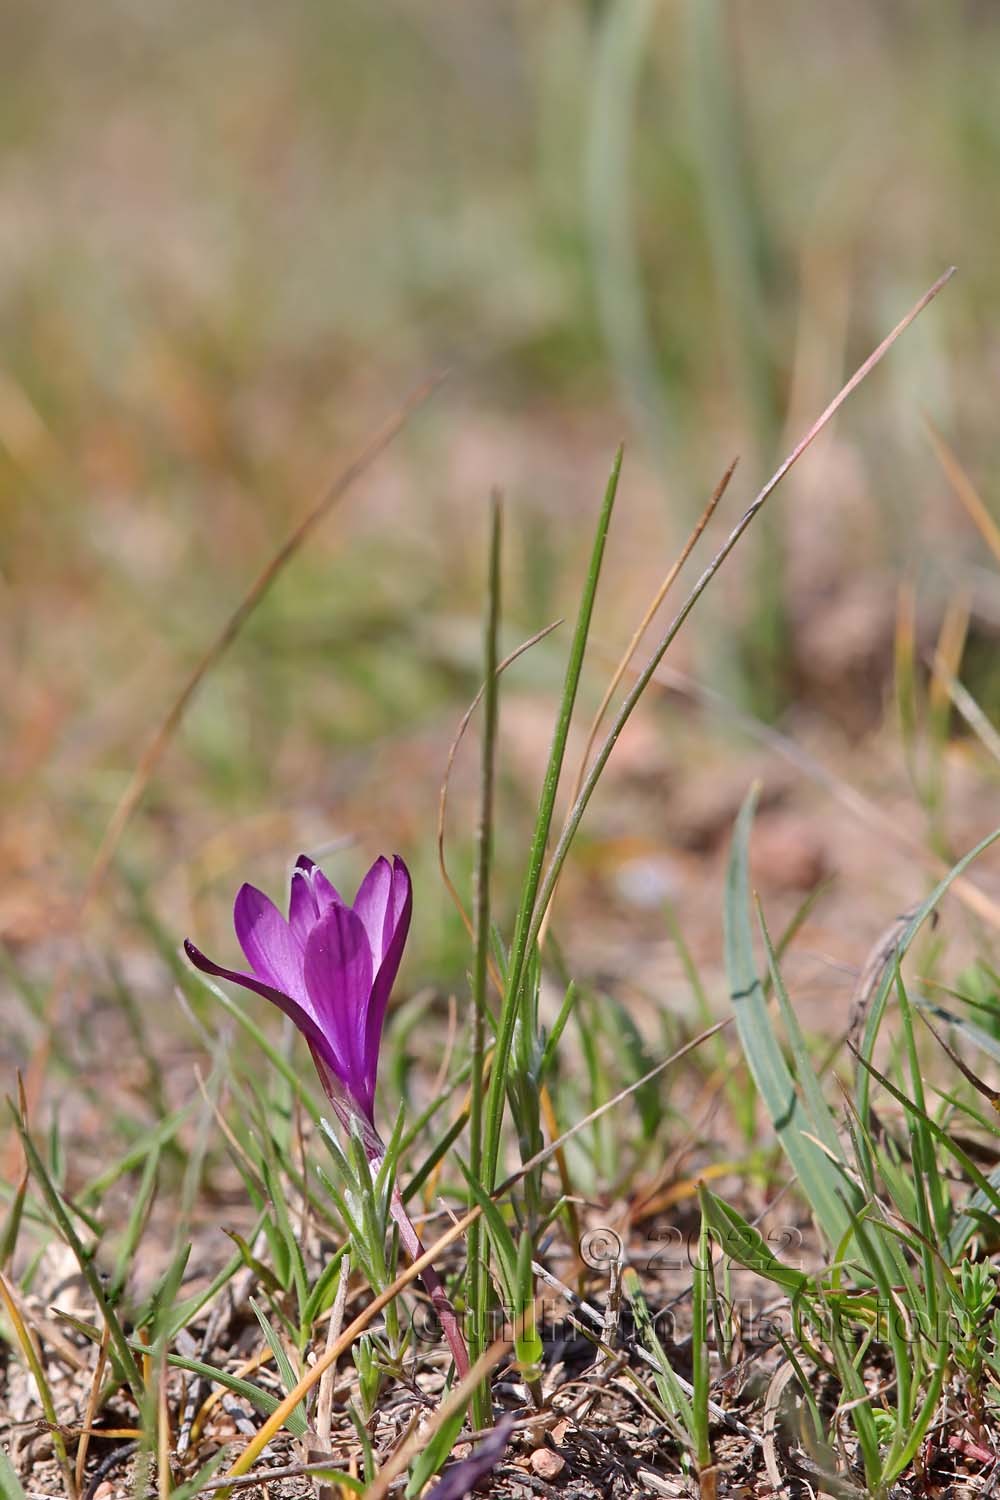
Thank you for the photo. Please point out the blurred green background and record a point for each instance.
(235, 236)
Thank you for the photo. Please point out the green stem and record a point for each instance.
(477, 1283)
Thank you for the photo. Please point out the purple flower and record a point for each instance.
(330, 967)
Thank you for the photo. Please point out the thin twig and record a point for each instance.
(964, 488)
(855, 802)
(576, 813)
(324, 1403)
(633, 646)
(154, 751)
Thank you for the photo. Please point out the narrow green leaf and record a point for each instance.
(12, 1225)
(817, 1175)
(820, 1117)
(253, 1263)
(876, 1009)
(136, 1223)
(83, 1260)
(255, 1394)
(525, 929)
(296, 1422)
(746, 1245)
(673, 1397)
(500, 1236)
(191, 1488)
(558, 1027)
(10, 1485)
(436, 1454)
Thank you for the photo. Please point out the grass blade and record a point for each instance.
(818, 1177)
(526, 929)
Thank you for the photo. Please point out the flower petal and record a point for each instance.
(273, 950)
(338, 978)
(322, 1047)
(373, 905)
(399, 909)
(311, 894)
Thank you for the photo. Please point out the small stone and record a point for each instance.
(105, 1490)
(546, 1465)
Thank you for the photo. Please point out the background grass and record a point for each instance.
(233, 239)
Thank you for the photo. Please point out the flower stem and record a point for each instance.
(447, 1316)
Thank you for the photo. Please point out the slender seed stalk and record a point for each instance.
(477, 1284)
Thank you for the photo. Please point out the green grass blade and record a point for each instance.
(526, 929)
(136, 1223)
(10, 1485)
(700, 1375)
(476, 1279)
(83, 1259)
(817, 1109)
(436, 1454)
(746, 1245)
(877, 1008)
(989, 1188)
(296, 1422)
(818, 1177)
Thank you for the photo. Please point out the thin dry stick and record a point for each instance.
(154, 751)
(324, 1402)
(964, 488)
(969, 709)
(33, 1358)
(633, 646)
(855, 802)
(449, 884)
(420, 1437)
(91, 1409)
(950, 648)
(746, 520)
(164, 1478)
(280, 1415)
(158, 744)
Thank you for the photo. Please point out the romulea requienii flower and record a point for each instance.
(330, 967)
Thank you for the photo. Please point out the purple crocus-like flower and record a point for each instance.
(329, 967)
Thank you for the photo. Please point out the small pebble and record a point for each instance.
(105, 1490)
(547, 1465)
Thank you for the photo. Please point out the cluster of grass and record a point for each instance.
(886, 1359)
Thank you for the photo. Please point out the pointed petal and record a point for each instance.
(273, 950)
(338, 977)
(302, 907)
(373, 905)
(402, 893)
(399, 912)
(320, 1045)
(311, 894)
